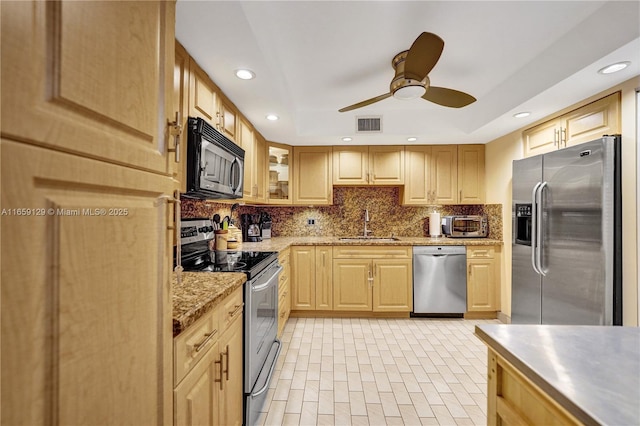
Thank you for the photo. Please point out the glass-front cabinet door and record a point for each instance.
(278, 167)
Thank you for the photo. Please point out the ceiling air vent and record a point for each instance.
(369, 124)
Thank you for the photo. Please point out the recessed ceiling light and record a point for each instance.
(245, 74)
(412, 139)
(618, 66)
(522, 114)
(272, 117)
(347, 139)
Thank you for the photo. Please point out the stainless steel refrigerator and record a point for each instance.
(566, 247)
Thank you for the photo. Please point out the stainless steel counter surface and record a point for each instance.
(281, 243)
(591, 371)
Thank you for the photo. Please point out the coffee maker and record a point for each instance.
(251, 229)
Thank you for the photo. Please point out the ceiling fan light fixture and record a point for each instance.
(409, 92)
(610, 69)
(245, 74)
(522, 114)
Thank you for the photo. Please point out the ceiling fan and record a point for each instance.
(411, 80)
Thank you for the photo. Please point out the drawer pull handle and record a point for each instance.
(235, 311)
(226, 371)
(207, 337)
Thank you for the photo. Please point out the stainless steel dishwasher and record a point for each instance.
(439, 281)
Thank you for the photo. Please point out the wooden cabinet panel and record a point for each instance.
(386, 165)
(592, 121)
(247, 142)
(196, 399)
(227, 117)
(351, 285)
(483, 278)
(303, 269)
(312, 175)
(471, 174)
(392, 285)
(284, 290)
(350, 165)
(92, 79)
(260, 167)
(417, 186)
(368, 165)
(181, 75)
(542, 138)
(444, 173)
(86, 323)
(324, 278)
(231, 384)
(514, 399)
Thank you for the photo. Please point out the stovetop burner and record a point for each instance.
(196, 256)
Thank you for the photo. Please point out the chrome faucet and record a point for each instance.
(366, 220)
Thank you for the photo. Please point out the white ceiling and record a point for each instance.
(313, 57)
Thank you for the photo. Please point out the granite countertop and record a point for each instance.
(281, 243)
(200, 292)
(591, 371)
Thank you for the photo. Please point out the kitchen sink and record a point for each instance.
(370, 238)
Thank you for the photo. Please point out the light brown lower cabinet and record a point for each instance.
(513, 399)
(208, 365)
(483, 278)
(284, 290)
(375, 279)
(311, 286)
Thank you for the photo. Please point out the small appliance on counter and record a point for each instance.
(251, 227)
(435, 229)
(470, 226)
(265, 222)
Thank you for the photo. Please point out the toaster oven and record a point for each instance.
(471, 226)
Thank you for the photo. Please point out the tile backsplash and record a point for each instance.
(346, 216)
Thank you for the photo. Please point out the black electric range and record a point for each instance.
(196, 256)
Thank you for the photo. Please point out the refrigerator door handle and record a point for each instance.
(539, 229)
(534, 226)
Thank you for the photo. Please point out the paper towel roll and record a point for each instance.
(435, 228)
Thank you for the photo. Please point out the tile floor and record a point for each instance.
(379, 371)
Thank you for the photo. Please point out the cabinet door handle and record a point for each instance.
(175, 200)
(226, 371)
(220, 380)
(556, 137)
(563, 136)
(460, 199)
(175, 130)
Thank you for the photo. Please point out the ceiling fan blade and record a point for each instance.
(448, 97)
(423, 56)
(365, 103)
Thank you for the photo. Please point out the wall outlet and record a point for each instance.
(311, 221)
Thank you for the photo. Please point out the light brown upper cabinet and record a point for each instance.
(471, 174)
(278, 177)
(312, 175)
(226, 117)
(601, 117)
(368, 165)
(181, 75)
(444, 174)
(208, 102)
(254, 147)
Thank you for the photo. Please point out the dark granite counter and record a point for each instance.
(200, 292)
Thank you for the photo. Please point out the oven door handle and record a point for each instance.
(273, 367)
(264, 286)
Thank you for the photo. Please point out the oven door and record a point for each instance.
(220, 170)
(261, 321)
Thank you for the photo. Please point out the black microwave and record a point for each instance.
(215, 165)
